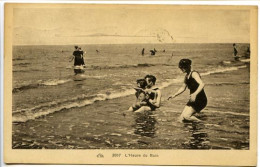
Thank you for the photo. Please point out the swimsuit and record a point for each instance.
(235, 51)
(78, 58)
(201, 99)
(152, 96)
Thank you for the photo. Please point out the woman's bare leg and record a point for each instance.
(143, 109)
(187, 114)
(130, 109)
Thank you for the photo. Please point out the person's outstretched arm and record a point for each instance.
(180, 91)
(72, 58)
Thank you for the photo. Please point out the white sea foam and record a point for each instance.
(223, 69)
(170, 82)
(54, 82)
(48, 108)
(227, 112)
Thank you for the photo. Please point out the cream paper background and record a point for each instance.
(166, 157)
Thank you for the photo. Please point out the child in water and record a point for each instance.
(142, 98)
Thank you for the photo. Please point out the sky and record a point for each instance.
(128, 24)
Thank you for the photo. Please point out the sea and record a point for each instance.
(53, 111)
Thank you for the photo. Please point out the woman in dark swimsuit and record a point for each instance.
(198, 98)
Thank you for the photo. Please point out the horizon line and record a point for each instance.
(131, 43)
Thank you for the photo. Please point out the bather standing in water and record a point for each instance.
(198, 98)
(77, 56)
(235, 52)
(143, 52)
(78, 61)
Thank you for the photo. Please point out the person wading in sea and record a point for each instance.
(198, 98)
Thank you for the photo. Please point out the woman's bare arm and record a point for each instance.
(180, 91)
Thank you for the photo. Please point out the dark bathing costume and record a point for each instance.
(152, 96)
(235, 51)
(78, 60)
(201, 99)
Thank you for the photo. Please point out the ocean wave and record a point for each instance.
(116, 66)
(25, 64)
(222, 70)
(84, 100)
(170, 82)
(24, 115)
(15, 59)
(52, 107)
(50, 82)
(227, 112)
(127, 66)
(54, 82)
(121, 66)
(228, 83)
(28, 70)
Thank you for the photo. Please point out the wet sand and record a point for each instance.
(103, 125)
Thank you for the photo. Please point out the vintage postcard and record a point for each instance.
(130, 84)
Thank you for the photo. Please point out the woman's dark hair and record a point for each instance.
(151, 78)
(142, 83)
(185, 63)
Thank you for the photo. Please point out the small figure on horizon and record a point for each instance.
(170, 57)
(97, 51)
(247, 54)
(143, 52)
(153, 52)
(164, 50)
(235, 52)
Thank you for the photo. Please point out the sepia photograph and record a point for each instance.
(134, 81)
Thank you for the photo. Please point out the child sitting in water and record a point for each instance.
(142, 98)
